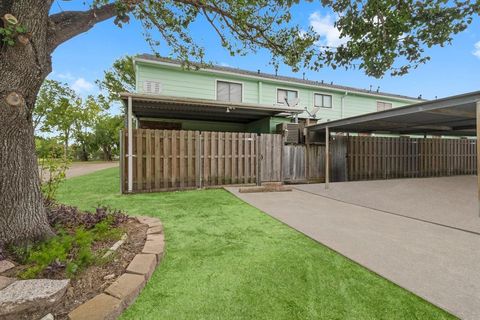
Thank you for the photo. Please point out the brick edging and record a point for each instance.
(124, 290)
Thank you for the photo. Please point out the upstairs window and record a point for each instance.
(381, 106)
(322, 100)
(229, 91)
(284, 95)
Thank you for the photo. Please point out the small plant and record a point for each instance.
(53, 173)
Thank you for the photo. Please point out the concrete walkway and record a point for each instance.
(438, 263)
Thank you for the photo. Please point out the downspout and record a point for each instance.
(342, 104)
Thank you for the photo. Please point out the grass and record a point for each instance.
(228, 260)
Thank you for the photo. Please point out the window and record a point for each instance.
(153, 87)
(229, 91)
(323, 100)
(383, 105)
(284, 95)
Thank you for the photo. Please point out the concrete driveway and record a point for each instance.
(82, 168)
(413, 248)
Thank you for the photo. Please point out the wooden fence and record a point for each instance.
(176, 159)
(371, 158)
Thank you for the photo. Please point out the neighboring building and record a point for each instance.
(249, 101)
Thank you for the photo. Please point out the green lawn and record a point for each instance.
(227, 260)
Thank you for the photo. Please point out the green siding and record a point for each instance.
(204, 125)
(201, 84)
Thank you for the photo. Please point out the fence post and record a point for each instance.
(130, 144)
(327, 157)
(122, 159)
(198, 159)
(259, 159)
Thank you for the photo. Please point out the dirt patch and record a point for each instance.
(94, 279)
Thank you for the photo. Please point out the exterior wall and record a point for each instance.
(265, 125)
(204, 125)
(201, 84)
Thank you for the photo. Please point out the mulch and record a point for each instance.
(96, 278)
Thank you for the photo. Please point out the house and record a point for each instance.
(217, 98)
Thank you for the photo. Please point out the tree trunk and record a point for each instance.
(107, 153)
(22, 70)
(65, 145)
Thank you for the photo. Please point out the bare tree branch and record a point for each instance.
(68, 24)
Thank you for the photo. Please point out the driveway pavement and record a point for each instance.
(82, 168)
(438, 263)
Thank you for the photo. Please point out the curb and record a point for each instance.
(125, 289)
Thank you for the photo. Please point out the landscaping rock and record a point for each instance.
(151, 222)
(109, 276)
(115, 246)
(155, 245)
(24, 295)
(5, 281)
(48, 317)
(5, 265)
(101, 307)
(143, 264)
(155, 230)
(126, 288)
(156, 237)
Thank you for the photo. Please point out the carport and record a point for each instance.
(457, 116)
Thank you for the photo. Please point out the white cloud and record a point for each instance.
(65, 76)
(82, 86)
(224, 64)
(476, 52)
(325, 28)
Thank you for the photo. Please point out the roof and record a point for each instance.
(451, 116)
(168, 107)
(257, 74)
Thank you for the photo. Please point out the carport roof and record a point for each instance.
(454, 116)
(160, 106)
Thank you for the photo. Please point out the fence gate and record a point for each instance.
(270, 146)
(294, 163)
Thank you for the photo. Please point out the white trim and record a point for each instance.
(229, 81)
(287, 89)
(353, 91)
(323, 94)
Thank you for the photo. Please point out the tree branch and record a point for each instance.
(68, 24)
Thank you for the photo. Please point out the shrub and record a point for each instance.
(52, 172)
(71, 217)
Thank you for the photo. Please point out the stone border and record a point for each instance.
(125, 289)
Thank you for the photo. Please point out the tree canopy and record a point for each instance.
(380, 36)
(119, 78)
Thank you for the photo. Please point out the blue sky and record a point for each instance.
(452, 70)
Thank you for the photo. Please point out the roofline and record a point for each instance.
(297, 83)
(469, 97)
(207, 102)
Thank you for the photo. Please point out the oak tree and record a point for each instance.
(378, 32)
